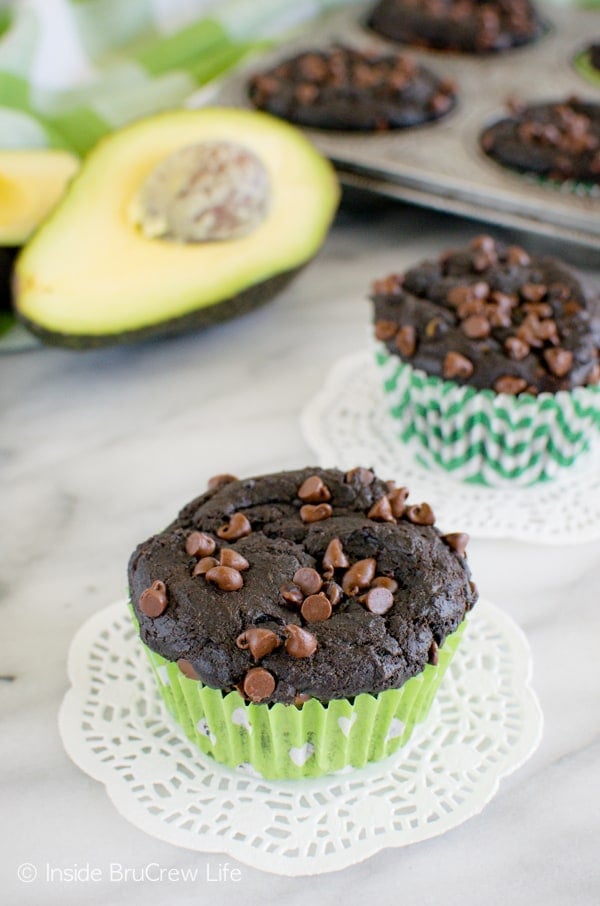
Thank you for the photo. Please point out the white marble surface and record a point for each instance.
(99, 449)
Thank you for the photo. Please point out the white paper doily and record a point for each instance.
(347, 424)
(485, 722)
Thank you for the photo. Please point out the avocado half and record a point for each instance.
(31, 183)
(91, 277)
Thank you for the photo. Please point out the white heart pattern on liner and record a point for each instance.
(300, 756)
(396, 729)
(240, 718)
(346, 723)
(202, 727)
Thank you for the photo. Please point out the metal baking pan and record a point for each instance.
(440, 165)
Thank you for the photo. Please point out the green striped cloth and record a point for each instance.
(73, 70)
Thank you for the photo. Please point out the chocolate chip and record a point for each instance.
(433, 656)
(381, 511)
(385, 582)
(483, 243)
(457, 366)
(378, 600)
(333, 592)
(300, 642)
(420, 514)
(153, 600)
(311, 513)
(316, 608)
(457, 541)
(541, 309)
(258, 684)
(388, 286)
(301, 698)
(334, 558)
(238, 527)
(459, 295)
(199, 544)
(217, 481)
(359, 576)
(291, 594)
(203, 565)
(516, 348)
(314, 490)
(515, 255)
(260, 642)
(385, 330)
(361, 476)
(406, 340)
(559, 361)
(308, 580)
(533, 292)
(225, 578)
(476, 327)
(397, 498)
(229, 557)
(508, 383)
(187, 669)
(471, 307)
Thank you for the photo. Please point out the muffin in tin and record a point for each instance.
(489, 359)
(301, 622)
(466, 26)
(344, 88)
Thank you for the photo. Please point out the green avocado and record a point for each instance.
(177, 221)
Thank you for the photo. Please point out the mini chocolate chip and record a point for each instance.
(433, 656)
(199, 544)
(559, 361)
(314, 490)
(476, 327)
(385, 582)
(516, 348)
(420, 514)
(457, 541)
(307, 580)
(381, 511)
(460, 294)
(312, 513)
(316, 608)
(517, 256)
(238, 527)
(508, 383)
(483, 243)
(397, 498)
(203, 565)
(217, 481)
(378, 600)
(457, 366)
(258, 684)
(229, 557)
(187, 669)
(153, 600)
(363, 476)
(300, 642)
(259, 641)
(359, 576)
(225, 578)
(292, 594)
(333, 592)
(471, 307)
(385, 330)
(300, 698)
(533, 292)
(406, 340)
(541, 309)
(334, 558)
(388, 286)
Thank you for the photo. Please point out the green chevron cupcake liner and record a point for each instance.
(485, 437)
(285, 742)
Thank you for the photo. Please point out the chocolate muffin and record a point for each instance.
(490, 362)
(343, 88)
(313, 583)
(467, 26)
(559, 140)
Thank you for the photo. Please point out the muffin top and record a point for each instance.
(470, 26)
(559, 140)
(311, 583)
(492, 316)
(350, 89)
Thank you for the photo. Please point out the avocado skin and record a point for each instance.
(249, 299)
(7, 259)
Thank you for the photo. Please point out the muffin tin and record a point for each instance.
(440, 165)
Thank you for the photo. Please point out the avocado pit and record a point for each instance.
(210, 191)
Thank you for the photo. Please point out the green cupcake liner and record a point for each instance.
(285, 742)
(485, 437)
(583, 65)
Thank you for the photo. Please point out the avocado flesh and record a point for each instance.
(90, 277)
